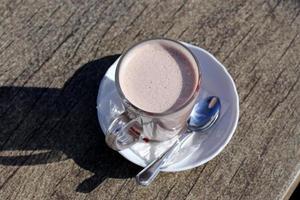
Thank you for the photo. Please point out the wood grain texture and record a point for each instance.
(54, 53)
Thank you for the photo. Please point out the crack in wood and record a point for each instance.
(287, 48)
(294, 19)
(137, 35)
(7, 46)
(170, 190)
(9, 177)
(167, 31)
(251, 89)
(258, 61)
(284, 98)
(137, 17)
(179, 9)
(271, 12)
(102, 37)
(239, 42)
(243, 192)
(194, 183)
(81, 41)
(69, 18)
(119, 190)
(36, 31)
(237, 170)
(32, 16)
(181, 34)
(279, 75)
(126, 28)
(233, 176)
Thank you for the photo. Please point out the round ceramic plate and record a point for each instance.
(216, 81)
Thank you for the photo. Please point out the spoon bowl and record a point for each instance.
(204, 114)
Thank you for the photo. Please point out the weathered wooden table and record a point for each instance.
(54, 53)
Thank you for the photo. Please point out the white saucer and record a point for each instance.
(215, 81)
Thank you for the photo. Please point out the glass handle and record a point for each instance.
(122, 132)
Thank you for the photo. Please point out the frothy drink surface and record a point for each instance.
(158, 75)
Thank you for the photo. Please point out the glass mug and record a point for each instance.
(135, 124)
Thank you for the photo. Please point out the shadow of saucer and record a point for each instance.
(58, 124)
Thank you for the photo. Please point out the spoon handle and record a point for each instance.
(148, 174)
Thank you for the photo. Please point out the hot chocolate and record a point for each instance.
(158, 75)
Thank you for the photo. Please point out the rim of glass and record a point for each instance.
(195, 93)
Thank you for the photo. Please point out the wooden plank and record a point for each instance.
(53, 54)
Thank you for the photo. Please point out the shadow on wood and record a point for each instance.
(45, 125)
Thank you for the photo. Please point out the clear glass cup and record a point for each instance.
(135, 124)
